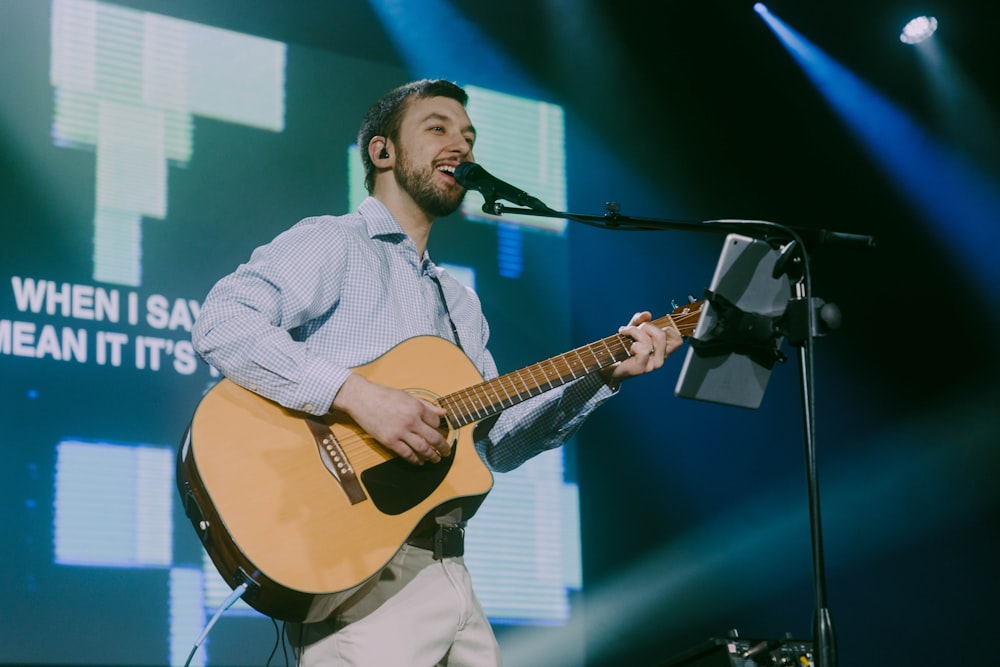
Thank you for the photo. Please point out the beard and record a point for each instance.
(419, 183)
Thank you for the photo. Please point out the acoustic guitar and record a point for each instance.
(303, 508)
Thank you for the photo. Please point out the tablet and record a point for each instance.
(728, 364)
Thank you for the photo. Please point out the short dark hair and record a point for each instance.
(386, 115)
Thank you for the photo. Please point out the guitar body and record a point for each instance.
(303, 509)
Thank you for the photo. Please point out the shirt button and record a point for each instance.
(308, 407)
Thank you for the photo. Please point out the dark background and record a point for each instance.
(694, 515)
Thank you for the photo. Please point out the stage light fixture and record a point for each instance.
(918, 29)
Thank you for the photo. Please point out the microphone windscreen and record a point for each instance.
(467, 173)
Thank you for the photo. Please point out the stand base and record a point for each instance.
(745, 653)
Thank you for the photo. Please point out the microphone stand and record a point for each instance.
(766, 231)
(804, 319)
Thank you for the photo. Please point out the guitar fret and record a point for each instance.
(451, 412)
(624, 346)
(499, 399)
(527, 387)
(467, 408)
(463, 414)
(607, 348)
(474, 396)
(533, 385)
(569, 365)
(481, 411)
(509, 403)
(460, 403)
(518, 376)
(593, 353)
(477, 408)
(547, 377)
(555, 376)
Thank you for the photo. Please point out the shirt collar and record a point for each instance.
(378, 220)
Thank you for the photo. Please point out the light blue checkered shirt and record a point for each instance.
(333, 293)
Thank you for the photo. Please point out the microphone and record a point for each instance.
(473, 177)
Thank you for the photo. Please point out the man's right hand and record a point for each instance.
(400, 421)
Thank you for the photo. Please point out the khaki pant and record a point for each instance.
(419, 612)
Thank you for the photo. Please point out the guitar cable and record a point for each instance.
(279, 640)
(226, 604)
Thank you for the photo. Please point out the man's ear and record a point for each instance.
(378, 150)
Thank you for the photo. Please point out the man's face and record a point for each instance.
(434, 136)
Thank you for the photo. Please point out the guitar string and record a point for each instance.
(467, 408)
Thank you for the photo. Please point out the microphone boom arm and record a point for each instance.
(762, 229)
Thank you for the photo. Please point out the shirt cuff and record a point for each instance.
(319, 386)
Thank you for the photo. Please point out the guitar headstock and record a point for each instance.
(684, 318)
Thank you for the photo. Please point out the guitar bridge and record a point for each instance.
(335, 460)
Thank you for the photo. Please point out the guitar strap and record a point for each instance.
(444, 302)
(484, 426)
(447, 538)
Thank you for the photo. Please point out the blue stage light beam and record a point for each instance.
(906, 485)
(965, 116)
(960, 205)
(436, 41)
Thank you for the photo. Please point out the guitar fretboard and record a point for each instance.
(488, 398)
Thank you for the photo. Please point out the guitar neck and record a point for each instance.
(491, 397)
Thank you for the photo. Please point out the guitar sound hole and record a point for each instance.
(396, 486)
